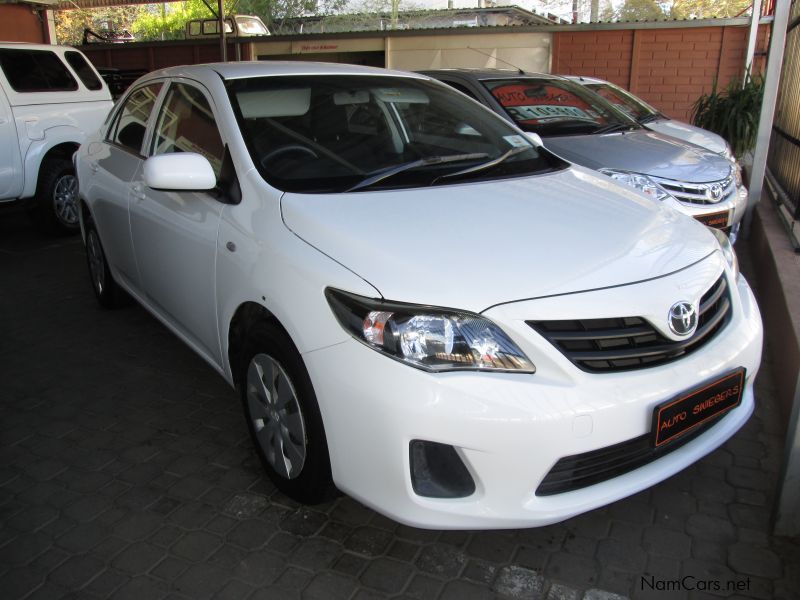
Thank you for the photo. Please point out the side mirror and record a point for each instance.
(180, 171)
(535, 138)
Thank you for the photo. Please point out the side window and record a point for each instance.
(462, 88)
(131, 124)
(186, 124)
(36, 71)
(84, 71)
(194, 28)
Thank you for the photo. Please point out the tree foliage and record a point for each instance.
(704, 9)
(640, 10)
(71, 23)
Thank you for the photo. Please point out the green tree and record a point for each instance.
(640, 10)
(703, 9)
(71, 23)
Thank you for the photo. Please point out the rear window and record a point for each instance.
(84, 71)
(36, 71)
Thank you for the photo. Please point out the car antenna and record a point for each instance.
(521, 72)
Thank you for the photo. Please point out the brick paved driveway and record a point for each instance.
(126, 472)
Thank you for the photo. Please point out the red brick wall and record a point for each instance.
(670, 68)
(19, 23)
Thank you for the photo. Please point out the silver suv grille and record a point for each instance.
(700, 193)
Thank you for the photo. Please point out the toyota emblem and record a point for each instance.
(682, 318)
(714, 192)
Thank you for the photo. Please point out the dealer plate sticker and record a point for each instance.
(718, 220)
(678, 416)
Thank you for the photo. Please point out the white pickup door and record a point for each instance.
(11, 176)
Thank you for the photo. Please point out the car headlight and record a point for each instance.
(641, 182)
(727, 250)
(736, 169)
(428, 338)
(728, 152)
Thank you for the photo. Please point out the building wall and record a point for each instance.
(670, 68)
(528, 51)
(19, 23)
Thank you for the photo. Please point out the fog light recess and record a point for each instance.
(437, 471)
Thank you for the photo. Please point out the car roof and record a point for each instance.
(32, 46)
(585, 79)
(247, 69)
(481, 74)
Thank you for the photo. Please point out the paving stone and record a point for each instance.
(751, 517)
(480, 571)
(578, 570)
(559, 591)
(369, 541)
(137, 525)
(665, 542)
(442, 561)
(251, 534)
(106, 582)
(386, 575)
(752, 479)
(402, 550)
(282, 543)
(243, 506)
(76, 571)
(518, 582)
(619, 556)
(293, 579)
(494, 546)
(259, 568)
(350, 564)
(33, 518)
(196, 545)
(137, 558)
(465, 590)
(303, 522)
(423, 587)
(201, 581)
(330, 586)
(23, 549)
(83, 537)
(750, 560)
(18, 583)
(580, 545)
(595, 594)
(315, 554)
(710, 528)
(234, 590)
(141, 588)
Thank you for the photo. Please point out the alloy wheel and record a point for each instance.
(65, 199)
(275, 413)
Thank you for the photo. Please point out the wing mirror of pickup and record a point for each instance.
(179, 171)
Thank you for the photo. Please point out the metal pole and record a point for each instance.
(223, 46)
(752, 36)
(772, 81)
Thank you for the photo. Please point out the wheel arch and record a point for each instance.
(246, 314)
(57, 146)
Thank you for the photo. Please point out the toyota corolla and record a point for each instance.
(416, 303)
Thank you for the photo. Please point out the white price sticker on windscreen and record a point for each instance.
(516, 140)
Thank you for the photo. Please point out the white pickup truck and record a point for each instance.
(51, 98)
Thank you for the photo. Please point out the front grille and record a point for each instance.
(627, 343)
(582, 470)
(699, 193)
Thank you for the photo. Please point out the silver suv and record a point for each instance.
(585, 129)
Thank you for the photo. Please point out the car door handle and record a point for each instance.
(93, 167)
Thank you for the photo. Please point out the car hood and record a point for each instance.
(689, 133)
(472, 246)
(642, 151)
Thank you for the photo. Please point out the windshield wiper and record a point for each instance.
(649, 118)
(422, 162)
(486, 165)
(614, 127)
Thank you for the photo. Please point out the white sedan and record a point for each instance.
(416, 302)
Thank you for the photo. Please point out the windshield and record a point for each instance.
(334, 133)
(625, 101)
(554, 107)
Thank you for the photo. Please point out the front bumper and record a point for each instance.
(731, 210)
(511, 429)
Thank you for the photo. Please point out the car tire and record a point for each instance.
(283, 416)
(106, 290)
(56, 203)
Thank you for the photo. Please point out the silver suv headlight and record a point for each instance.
(727, 250)
(426, 337)
(641, 182)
